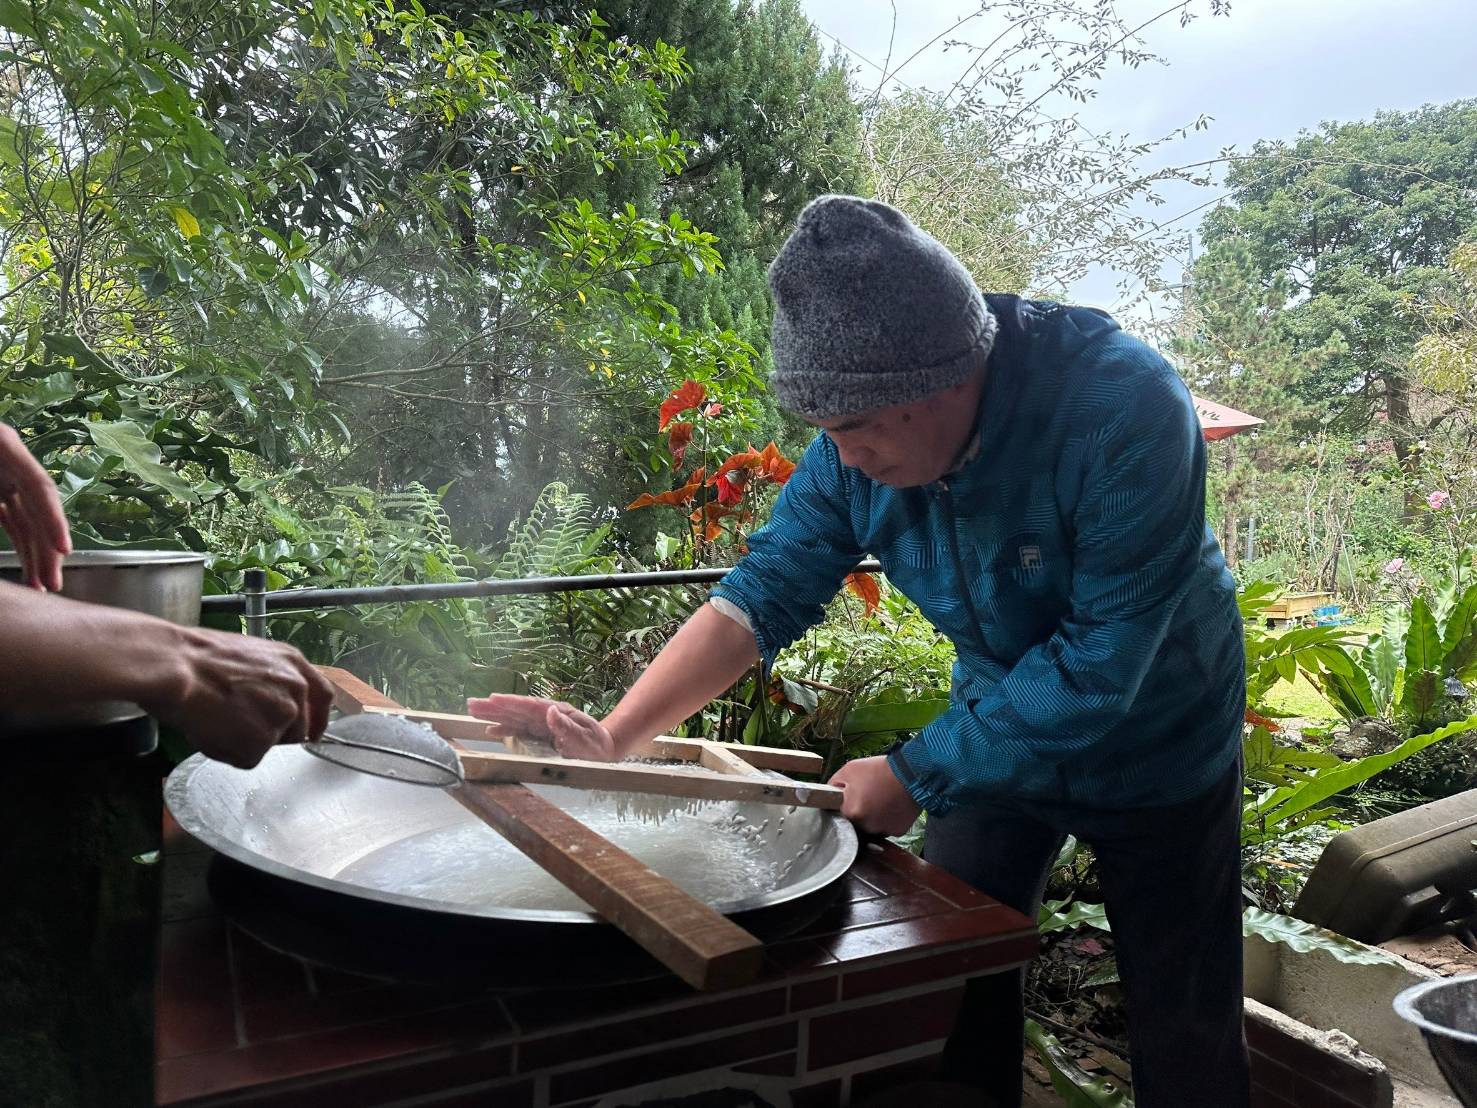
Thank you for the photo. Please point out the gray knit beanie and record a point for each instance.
(870, 311)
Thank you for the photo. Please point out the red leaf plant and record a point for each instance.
(864, 586)
(687, 395)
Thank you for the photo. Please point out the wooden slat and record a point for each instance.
(351, 695)
(445, 724)
(720, 759)
(625, 776)
(464, 727)
(700, 945)
(703, 947)
(762, 757)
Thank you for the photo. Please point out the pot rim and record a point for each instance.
(114, 559)
(1405, 1007)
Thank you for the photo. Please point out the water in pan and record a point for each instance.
(471, 865)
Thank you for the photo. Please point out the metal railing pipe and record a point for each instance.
(293, 600)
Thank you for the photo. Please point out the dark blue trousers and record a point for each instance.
(1171, 882)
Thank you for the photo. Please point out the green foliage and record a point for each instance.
(1305, 938)
(1275, 811)
(1402, 673)
(1076, 1087)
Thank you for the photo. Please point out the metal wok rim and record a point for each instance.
(179, 800)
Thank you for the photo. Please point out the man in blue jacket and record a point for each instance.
(1034, 480)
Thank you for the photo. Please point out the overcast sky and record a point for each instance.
(1268, 70)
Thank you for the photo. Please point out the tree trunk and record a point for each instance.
(1403, 435)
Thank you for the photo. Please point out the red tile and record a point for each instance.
(812, 994)
(331, 981)
(854, 889)
(632, 1033)
(864, 1031)
(1262, 1097)
(517, 1095)
(436, 1050)
(1269, 1073)
(989, 956)
(918, 935)
(1307, 1093)
(183, 894)
(1327, 1070)
(194, 1000)
(844, 915)
(781, 1065)
(264, 975)
(932, 877)
(552, 1008)
(825, 1095)
(461, 1077)
(887, 881)
(672, 1062)
(176, 840)
(798, 956)
(871, 1082)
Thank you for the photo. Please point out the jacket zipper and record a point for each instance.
(946, 498)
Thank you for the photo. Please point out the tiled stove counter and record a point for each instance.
(867, 991)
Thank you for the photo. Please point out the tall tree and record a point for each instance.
(1235, 347)
(1354, 220)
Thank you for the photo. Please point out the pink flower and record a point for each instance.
(1394, 565)
(713, 409)
(1438, 500)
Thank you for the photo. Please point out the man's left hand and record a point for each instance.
(875, 799)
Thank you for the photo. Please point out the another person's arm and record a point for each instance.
(31, 513)
(795, 564)
(233, 696)
(706, 655)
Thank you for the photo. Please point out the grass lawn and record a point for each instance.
(1301, 699)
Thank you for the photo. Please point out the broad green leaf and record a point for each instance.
(909, 716)
(1420, 695)
(141, 457)
(1307, 938)
(1382, 660)
(1422, 641)
(1280, 805)
(1459, 636)
(1051, 917)
(1075, 1086)
(802, 696)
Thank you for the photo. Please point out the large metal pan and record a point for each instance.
(365, 874)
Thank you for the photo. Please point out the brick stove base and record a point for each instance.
(862, 997)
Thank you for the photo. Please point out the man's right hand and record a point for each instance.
(572, 733)
(235, 696)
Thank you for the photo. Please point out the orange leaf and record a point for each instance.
(677, 498)
(1256, 719)
(711, 515)
(775, 465)
(865, 586)
(677, 441)
(689, 394)
(744, 459)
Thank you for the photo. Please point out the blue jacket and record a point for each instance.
(1099, 651)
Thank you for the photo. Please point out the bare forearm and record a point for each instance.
(55, 649)
(707, 655)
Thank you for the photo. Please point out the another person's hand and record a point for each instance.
(875, 799)
(572, 733)
(235, 696)
(31, 514)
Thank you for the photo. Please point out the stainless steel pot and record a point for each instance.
(164, 583)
